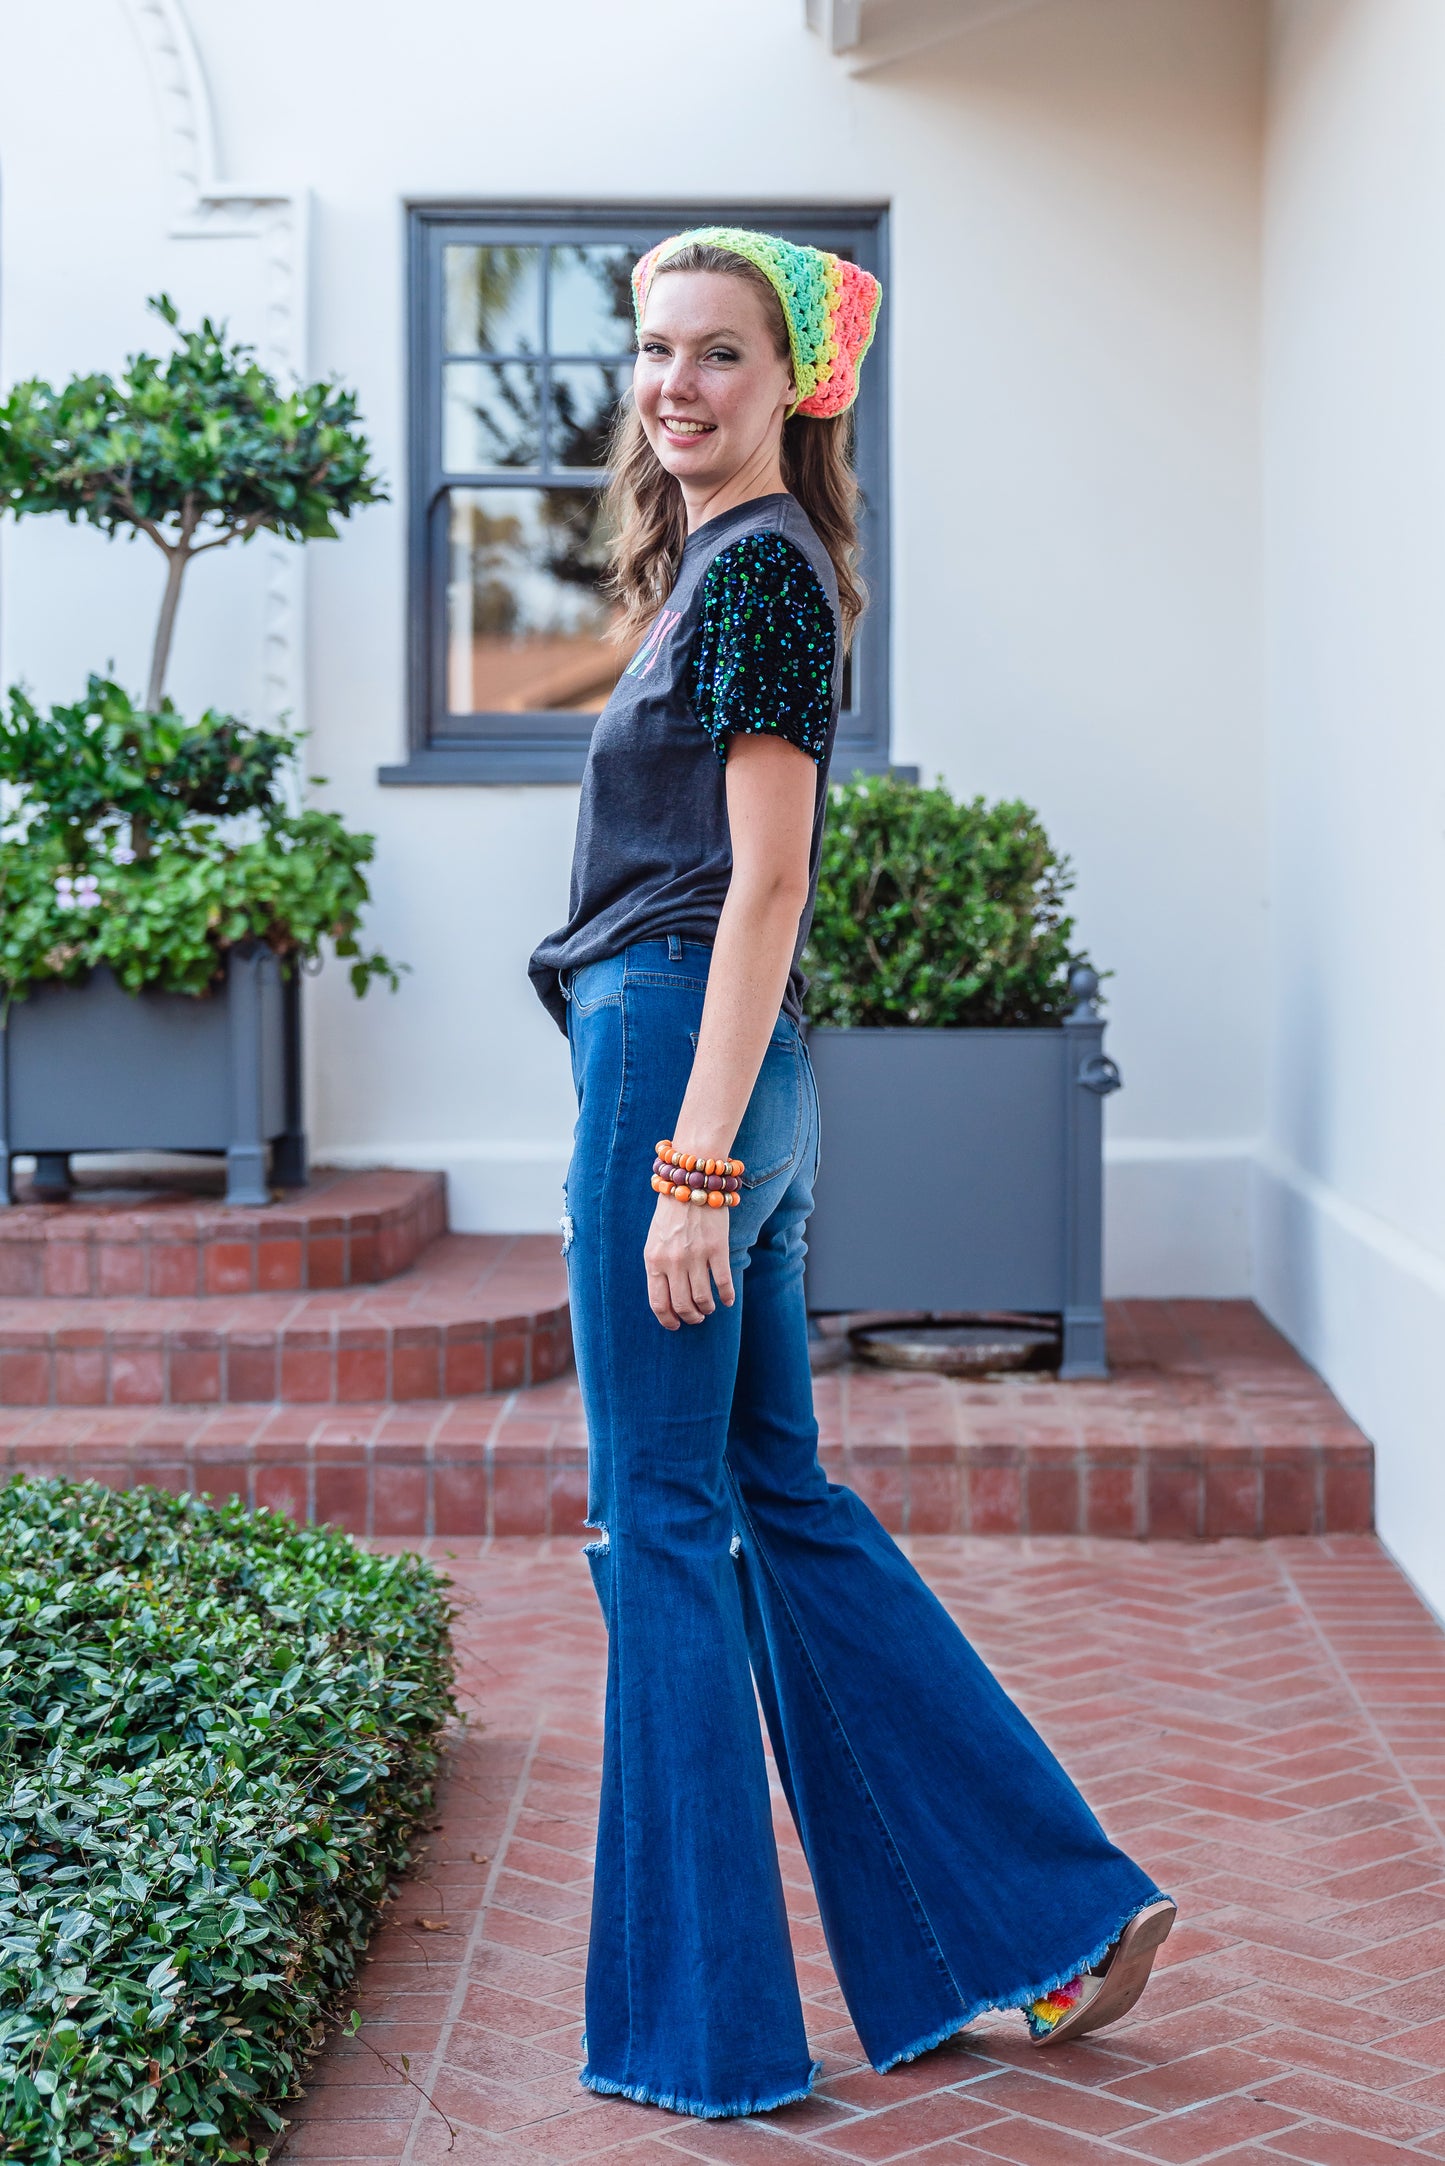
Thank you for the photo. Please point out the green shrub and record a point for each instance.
(217, 1731)
(105, 771)
(933, 912)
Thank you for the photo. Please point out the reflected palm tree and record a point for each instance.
(607, 270)
(483, 286)
(585, 398)
(509, 419)
(557, 533)
(575, 545)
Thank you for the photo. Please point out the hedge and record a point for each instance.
(217, 1734)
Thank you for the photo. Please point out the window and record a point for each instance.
(521, 346)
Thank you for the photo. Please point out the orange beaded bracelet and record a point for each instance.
(689, 1178)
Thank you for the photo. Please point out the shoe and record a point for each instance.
(1088, 2002)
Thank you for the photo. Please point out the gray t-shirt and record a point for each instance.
(748, 639)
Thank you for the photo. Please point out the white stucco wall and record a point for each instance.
(1073, 325)
(1350, 1193)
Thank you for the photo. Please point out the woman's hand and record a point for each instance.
(686, 1254)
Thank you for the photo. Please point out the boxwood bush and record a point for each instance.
(217, 1732)
(932, 911)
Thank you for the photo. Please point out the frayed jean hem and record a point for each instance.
(671, 2103)
(1023, 1998)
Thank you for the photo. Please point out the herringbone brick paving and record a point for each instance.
(1263, 1724)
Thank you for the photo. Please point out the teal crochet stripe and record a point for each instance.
(829, 305)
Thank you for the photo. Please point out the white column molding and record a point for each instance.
(276, 220)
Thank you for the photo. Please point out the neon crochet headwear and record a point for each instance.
(830, 307)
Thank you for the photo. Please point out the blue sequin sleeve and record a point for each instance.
(763, 656)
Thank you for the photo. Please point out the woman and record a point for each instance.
(956, 1867)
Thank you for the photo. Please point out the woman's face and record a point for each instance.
(712, 391)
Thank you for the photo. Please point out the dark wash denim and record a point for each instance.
(956, 1866)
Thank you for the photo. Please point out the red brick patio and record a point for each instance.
(1263, 1724)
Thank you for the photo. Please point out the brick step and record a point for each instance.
(484, 1466)
(477, 1313)
(1210, 1427)
(111, 1242)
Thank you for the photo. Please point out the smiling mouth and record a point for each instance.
(675, 425)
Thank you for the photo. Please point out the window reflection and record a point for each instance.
(592, 299)
(526, 627)
(491, 412)
(585, 395)
(493, 299)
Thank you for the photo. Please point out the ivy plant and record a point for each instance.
(218, 1732)
(936, 912)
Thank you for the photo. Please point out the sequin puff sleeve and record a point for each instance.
(763, 657)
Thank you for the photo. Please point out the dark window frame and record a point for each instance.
(553, 747)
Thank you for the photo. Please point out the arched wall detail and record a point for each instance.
(273, 219)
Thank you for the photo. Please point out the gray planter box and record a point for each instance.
(90, 1067)
(963, 1170)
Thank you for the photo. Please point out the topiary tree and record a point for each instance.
(935, 912)
(195, 451)
(129, 836)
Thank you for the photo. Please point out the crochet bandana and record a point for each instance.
(830, 307)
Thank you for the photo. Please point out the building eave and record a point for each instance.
(867, 34)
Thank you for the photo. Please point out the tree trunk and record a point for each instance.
(177, 557)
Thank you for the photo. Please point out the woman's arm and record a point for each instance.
(770, 796)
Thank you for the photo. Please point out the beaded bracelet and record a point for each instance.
(690, 1179)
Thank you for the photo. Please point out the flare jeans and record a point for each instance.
(956, 1866)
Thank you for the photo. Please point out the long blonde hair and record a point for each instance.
(644, 508)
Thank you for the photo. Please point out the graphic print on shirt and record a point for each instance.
(651, 647)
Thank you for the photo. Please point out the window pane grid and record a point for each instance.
(514, 644)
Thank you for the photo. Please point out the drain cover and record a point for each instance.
(954, 1349)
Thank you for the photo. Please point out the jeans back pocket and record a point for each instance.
(772, 1126)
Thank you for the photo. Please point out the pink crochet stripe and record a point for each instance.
(853, 319)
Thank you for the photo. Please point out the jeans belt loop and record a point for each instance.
(674, 947)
